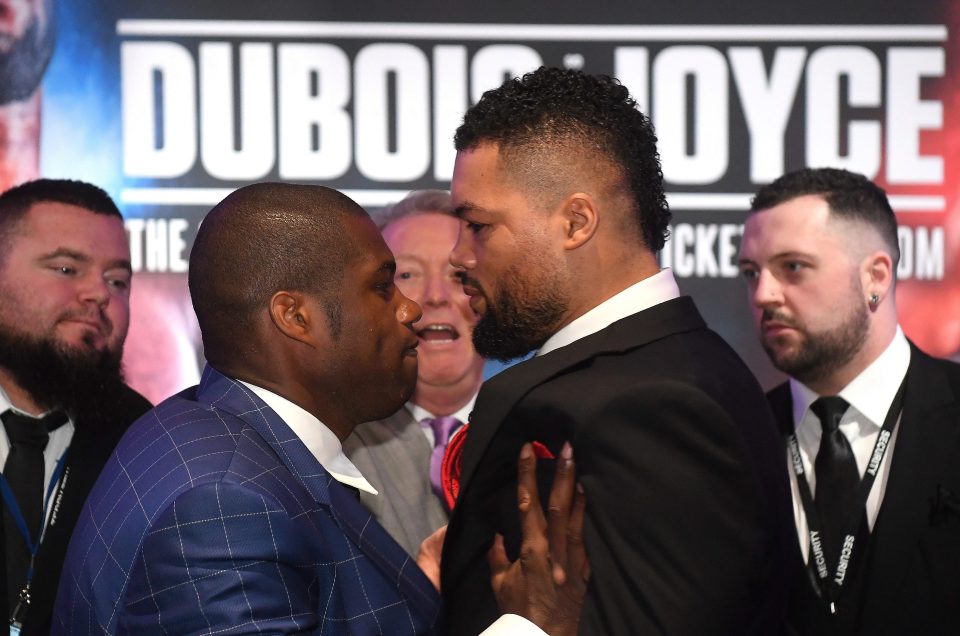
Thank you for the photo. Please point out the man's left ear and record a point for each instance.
(580, 220)
(877, 275)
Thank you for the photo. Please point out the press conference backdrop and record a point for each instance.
(172, 105)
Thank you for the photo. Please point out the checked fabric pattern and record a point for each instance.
(212, 517)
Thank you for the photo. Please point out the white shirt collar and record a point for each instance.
(319, 440)
(872, 392)
(651, 291)
(463, 413)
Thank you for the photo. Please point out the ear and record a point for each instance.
(292, 316)
(580, 220)
(877, 275)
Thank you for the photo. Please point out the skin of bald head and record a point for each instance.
(819, 256)
(293, 290)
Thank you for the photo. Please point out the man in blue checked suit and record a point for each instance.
(230, 508)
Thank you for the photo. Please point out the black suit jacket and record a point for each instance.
(910, 580)
(688, 519)
(89, 450)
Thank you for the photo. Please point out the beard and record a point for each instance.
(85, 383)
(24, 60)
(518, 320)
(821, 354)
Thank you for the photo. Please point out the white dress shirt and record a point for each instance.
(870, 396)
(419, 414)
(57, 445)
(319, 440)
(651, 291)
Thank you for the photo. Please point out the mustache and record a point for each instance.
(772, 315)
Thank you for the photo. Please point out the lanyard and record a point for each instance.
(57, 483)
(830, 587)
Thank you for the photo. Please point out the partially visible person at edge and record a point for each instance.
(27, 38)
(559, 190)
(872, 424)
(64, 311)
(401, 455)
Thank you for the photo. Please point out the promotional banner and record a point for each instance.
(171, 107)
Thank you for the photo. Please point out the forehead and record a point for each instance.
(49, 225)
(481, 182)
(370, 249)
(422, 234)
(802, 224)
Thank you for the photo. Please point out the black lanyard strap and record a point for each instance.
(830, 587)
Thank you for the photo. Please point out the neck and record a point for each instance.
(17, 396)
(20, 141)
(447, 400)
(610, 271)
(307, 398)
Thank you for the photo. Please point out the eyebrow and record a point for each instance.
(387, 266)
(780, 256)
(65, 252)
(466, 207)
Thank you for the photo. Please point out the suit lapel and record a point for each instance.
(355, 521)
(499, 395)
(927, 431)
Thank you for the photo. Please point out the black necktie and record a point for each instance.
(837, 477)
(24, 474)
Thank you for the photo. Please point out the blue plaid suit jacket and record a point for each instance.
(213, 517)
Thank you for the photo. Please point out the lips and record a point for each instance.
(98, 322)
(437, 332)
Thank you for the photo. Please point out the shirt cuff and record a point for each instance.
(513, 625)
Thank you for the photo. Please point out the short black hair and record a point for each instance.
(17, 201)
(261, 239)
(850, 196)
(552, 109)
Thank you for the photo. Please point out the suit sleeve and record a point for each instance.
(222, 559)
(674, 532)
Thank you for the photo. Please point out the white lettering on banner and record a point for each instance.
(908, 115)
(922, 253)
(389, 109)
(313, 86)
(158, 144)
(767, 103)
(826, 69)
(224, 156)
(157, 245)
(707, 140)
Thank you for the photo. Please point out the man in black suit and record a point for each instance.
(64, 311)
(558, 185)
(872, 423)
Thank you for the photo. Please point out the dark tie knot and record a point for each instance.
(830, 411)
(31, 431)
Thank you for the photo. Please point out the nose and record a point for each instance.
(462, 255)
(767, 292)
(94, 288)
(408, 311)
(437, 291)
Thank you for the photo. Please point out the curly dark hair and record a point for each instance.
(850, 196)
(556, 109)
